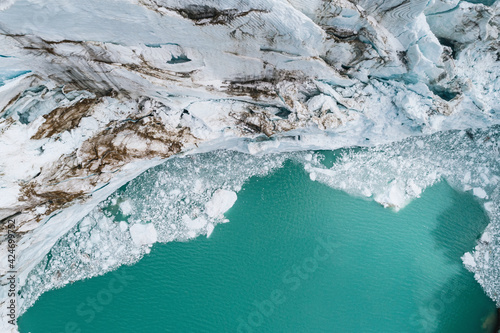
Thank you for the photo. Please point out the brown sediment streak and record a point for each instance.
(64, 119)
(254, 123)
(265, 86)
(11, 102)
(76, 175)
(202, 14)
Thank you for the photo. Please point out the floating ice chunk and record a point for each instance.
(174, 192)
(123, 226)
(468, 260)
(313, 176)
(198, 186)
(486, 238)
(195, 224)
(220, 202)
(394, 197)
(126, 207)
(485, 178)
(210, 229)
(414, 188)
(366, 192)
(480, 193)
(489, 206)
(467, 177)
(95, 238)
(143, 234)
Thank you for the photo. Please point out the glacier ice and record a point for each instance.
(143, 234)
(220, 202)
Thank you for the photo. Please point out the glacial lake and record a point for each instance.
(296, 257)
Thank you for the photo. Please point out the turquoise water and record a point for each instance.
(297, 256)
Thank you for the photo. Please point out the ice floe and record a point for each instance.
(143, 234)
(221, 202)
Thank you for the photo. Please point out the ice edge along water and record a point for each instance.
(99, 107)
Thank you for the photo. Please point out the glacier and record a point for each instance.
(96, 93)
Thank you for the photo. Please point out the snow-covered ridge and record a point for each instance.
(107, 89)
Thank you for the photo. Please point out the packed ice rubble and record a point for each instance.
(96, 92)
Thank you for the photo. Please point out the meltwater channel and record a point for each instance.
(297, 256)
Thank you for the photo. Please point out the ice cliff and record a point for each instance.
(93, 93)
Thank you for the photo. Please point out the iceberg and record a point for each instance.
(143, 234)
(220, 202)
